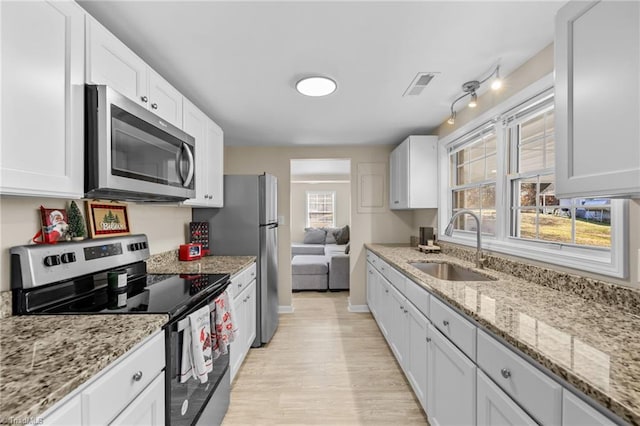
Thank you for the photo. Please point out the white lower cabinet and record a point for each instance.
(130, 391)
(451, 391)
(397, 325)
(496, 407)
(244, 306)
(147, 408)
(417, 356)
(576, 412)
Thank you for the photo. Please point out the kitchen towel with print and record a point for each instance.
(197, 360)
(223, 319)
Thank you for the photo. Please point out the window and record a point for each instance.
(321, 209)
(473, 173)
(502, 167)
(536, 214)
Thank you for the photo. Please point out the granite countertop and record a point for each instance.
(592, 346)
(45, 357)
(168, 263)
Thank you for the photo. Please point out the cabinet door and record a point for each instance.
(69, 414)
(496, 407)
(111, 62)
(451, 389)
(42, 53)
(394, 193)
(371, 289)
(215, 164)
(423, 172)
(397, 326)
(250, 316)
(164, 99)
(417, 330)
(575, 412)
(236, 347)
(402, 175)
(148, 407)
(597, 43)
(383, 304)
(195, 124)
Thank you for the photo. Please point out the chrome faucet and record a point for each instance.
(449, 231)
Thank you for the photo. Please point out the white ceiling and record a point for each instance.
(319, 167)
(239, 61)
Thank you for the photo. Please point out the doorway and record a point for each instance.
(320, 224)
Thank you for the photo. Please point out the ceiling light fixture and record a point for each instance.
(316, 86)
(470, 87)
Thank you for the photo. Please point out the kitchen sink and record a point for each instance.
(449, 272)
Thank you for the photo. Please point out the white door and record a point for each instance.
(236, 347)
(68, 414)
(384, 304)
(250, 315)
(397, 326)
(597, 126)
(42, 142)
(451, 390)
(576, 412)
(195, 124)
(215, 165)
(148, 407)
(111, 62)
(417, 330)
(164, 100)
(496, 408)
(371, 290)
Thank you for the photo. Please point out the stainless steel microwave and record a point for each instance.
(132, 154)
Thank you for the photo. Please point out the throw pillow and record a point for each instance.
(347, 248)
(314, 236)
(342, 236)
(331, 239)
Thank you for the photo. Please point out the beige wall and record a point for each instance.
(385, 227)
(165, 226)
(299, 205)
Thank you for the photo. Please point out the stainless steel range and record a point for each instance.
(81, 279)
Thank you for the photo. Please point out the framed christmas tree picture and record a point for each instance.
(107, 219)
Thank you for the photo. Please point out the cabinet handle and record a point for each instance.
(505, 373)
(386, 290)
(144, 99)
(370, 273)
(428, 339)
(396, 202)
(401, 307)
(382, 267)
(445, 323)
(137, 376)
(239, 285)
(405, 311)
(154, 105)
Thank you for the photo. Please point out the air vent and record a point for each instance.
(419, 83)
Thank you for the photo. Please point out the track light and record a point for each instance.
(474, 100)
(470, 89)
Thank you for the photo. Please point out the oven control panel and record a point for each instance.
(36, 265)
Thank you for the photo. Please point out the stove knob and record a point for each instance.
(144, 245)
(52, 260)
(131, 247)
(68, 257)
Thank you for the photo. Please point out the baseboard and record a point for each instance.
(357, 308)
(285, 309)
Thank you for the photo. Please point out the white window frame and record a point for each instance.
(333, 204)
(613, 262)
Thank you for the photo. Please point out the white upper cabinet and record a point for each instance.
(111, 62)
(413, 168)
(209, 157)
(42, 99)
(597, 84)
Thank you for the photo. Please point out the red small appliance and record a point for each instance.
(191, 251)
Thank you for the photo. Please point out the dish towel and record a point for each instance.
(197, 359)
(223, 318)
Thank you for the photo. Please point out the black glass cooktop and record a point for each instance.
(145, 293)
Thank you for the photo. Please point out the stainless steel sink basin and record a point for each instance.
(449, 272)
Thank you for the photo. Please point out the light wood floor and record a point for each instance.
(324, 365)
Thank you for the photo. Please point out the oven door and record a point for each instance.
(192, 401)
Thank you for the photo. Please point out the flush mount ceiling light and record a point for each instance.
(470, 87)
(316, 86)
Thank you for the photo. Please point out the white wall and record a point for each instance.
(299, 205)
(165, 226)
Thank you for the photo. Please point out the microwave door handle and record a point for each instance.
(189, 178)
(179, 164)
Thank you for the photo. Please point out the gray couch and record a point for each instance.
(319, 267)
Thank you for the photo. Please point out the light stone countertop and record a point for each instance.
(591, 345)
(168, 263)
(45, 357)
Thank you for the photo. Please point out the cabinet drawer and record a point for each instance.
(418, 296)
(529, 387)
(374, 260)
(241, 280)
(393, 276)
(460, 331)
(113, 391)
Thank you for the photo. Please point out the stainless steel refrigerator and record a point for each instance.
(247, 225)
